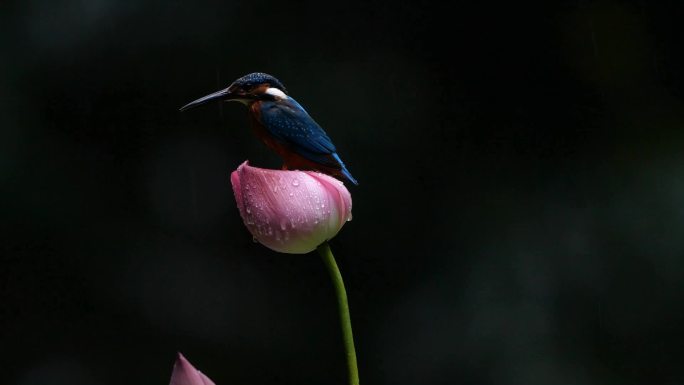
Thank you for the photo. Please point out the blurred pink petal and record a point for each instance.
(290, 211)
(186, 374)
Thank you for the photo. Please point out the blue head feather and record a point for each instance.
(256, 78)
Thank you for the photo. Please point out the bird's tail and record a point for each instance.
(344, 173)
(348, 176)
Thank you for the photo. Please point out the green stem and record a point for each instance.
(343, 307)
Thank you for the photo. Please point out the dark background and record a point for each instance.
(518, 221)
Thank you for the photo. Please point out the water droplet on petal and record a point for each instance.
(254, 239)
(291, 194)
(295, 182)
(283, 224)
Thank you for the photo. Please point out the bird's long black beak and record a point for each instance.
(218, 95)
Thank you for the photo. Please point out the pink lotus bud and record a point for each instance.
(186, 374)
(290, 211)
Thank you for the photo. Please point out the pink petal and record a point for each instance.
(340, 195)
(290, 211)
(186, 374)
(205, 380)
(237, 191)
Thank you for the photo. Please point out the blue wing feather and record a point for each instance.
(289, 123)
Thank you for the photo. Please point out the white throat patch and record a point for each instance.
(276, 92)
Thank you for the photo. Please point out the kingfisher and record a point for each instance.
(282, 124)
